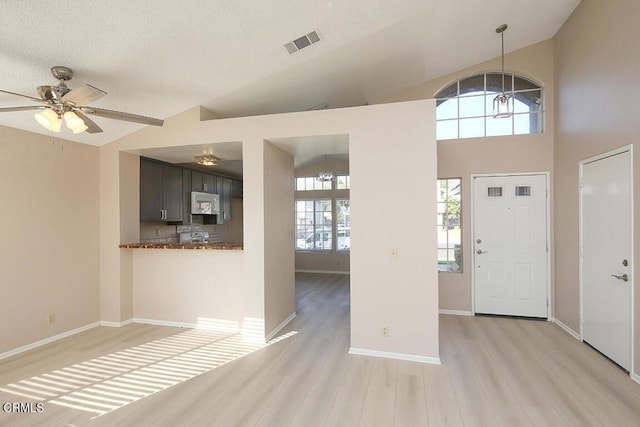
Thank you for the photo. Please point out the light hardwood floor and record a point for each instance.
(495, 372)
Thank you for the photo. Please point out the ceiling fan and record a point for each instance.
(60, 102)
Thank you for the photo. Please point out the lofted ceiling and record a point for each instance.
(159, 58)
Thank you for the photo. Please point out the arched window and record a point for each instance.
(464, 109)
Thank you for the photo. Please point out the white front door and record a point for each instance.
(606, 256)
(510, 245)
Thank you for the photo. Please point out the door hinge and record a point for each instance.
(581, 183)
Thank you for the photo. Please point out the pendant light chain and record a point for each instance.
(502, 34)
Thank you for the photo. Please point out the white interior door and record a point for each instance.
(606, 256)
(510, 245)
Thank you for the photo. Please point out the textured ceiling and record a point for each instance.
(159, 58)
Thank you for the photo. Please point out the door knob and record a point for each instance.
(624, 277)
(480, 252)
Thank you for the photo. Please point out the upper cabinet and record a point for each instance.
(165, 192)
(161, 195)
(204, 182)
(225, 200)
(237, 189)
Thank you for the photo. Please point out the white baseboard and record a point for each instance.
(280, 326)
(219, 328)
(456, 312)
(323, 272)
(635, 377)
(567, 329)
(398, 356)
(116, 324)
(48, 340)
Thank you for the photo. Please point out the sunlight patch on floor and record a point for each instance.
(112, 381)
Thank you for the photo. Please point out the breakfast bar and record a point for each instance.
(187, 284)
(199, 246)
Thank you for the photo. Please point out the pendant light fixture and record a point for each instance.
(324, 175)
(503, 103)
(207, 160)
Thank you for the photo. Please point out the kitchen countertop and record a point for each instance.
(209, 246)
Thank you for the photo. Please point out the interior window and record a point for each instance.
(449, 225)
(464, 109)
(314, 225)
(307, 183)
(343, 224)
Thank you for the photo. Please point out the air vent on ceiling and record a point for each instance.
(302, 42)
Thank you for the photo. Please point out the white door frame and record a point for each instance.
(582, 163)
(548, 232)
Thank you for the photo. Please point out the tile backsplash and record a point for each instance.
(229, 232)
(159, 232)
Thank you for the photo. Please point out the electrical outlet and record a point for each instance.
(394, 254)
(385, 331)
(51, 319)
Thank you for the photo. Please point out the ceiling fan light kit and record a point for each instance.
(74, 123)
(50, 120)
(58, 102)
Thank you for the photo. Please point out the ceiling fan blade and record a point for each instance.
(118, 115)
(83, 95)
(8, 109)
(24, 96)
(92, 127)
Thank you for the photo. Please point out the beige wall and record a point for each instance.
(279, 285)
(506, 154)
(597, 79)
(202, 288)
(50, 242)
(400, 294)
(129, 218)
(464, 157)
(323, 262)
(329, 261)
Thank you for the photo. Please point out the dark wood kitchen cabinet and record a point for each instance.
(204, 182)
(161, 195)
(225, 199)
(237, 190)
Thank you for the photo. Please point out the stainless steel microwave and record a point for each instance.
(205, 203)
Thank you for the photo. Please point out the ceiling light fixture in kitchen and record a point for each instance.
(207, 160)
